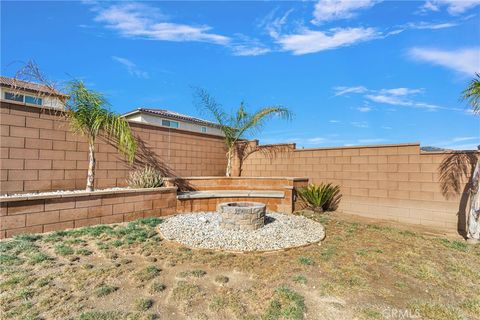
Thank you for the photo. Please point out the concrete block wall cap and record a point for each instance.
(79, 194)
(363, 147)
(230, 194)
(238, 178)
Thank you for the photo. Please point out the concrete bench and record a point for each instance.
(230, 194)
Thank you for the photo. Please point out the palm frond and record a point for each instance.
(256, 121)
(472, 93)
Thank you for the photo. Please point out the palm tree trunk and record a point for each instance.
(229, 162)
(91, 166)
(473, 228)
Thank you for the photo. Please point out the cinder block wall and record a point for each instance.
(39, 152)
(393, 182)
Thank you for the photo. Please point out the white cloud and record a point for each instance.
(246, 46)
(358, 124)
(136, 20)
(454, 7)
(310, 41)
(334, 121)
(131, 67)
(340, 91)
(364, 109)
(329, 10)
(400, 91)
(316, 140)
(466, 61)
(386, 128)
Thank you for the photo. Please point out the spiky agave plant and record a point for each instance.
(88, 115)
(146, 177)
(239, 124)
(320, 198)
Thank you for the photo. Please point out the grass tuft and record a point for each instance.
(286, 304)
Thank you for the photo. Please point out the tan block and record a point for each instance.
(87, 222)
(14, 175)
(378, 193)
(131, 216)
(64, 145)
(64, 164)
(39, 218)
(12, 142)
(37, 185)
(117, 218)
(112, 199)
(64, 184)
(39, 123)
(397, 159)
(123, 208)
(409, 149)
(359, 160)
(73, 214)
(32, 229)
(11, 222)
(11, 164)
(38, 164)
(409, 167)
(422, 195)
(24, 132)
(52, 134)
(52, 154)
(88, 202)
(59, 204)
(420, 176)
(12, 120)
(143, 205)
(58, 226)
(99, 211)
(31, 143)
(21, 207)
(16, 153)
(50, 174)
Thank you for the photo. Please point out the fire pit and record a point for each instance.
(241, 215)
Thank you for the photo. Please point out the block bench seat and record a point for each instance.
(230, 194)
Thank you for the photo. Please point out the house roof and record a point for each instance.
(29, 86)
(173, 115)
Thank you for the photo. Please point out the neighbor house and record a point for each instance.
(31, 93)
(172, 119)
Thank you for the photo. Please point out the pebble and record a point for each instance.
(202, 230)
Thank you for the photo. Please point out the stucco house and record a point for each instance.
(167, 118)
(31, 93)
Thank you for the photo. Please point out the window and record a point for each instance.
(23, 98)
(14, 97)
(169, 123)
(204, 129)
(33, 100)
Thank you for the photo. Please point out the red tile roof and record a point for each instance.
(29, 86)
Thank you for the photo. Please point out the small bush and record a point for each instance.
(322, 197)
(143, 304)
(147, 177)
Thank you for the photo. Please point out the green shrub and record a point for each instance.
(322, 197)
(147, 177)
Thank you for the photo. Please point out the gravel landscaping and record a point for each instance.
(201, 230)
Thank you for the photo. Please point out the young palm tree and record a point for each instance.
(88, 116)
(472, 93)
(239, 124)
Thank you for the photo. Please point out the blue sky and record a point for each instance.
(354, 72)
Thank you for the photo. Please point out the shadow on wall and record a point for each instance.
(145, 156)
(244, 149)
(455, 172)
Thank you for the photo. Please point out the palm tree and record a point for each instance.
(472, 93)
(239, 124)
(88, 116)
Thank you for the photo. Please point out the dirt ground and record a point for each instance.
(362, 270)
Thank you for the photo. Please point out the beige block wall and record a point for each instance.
(393, 182)
(39, 152)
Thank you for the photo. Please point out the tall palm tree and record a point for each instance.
(88, 115)
(472, 93)
(239, 124)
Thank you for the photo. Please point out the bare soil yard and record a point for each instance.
(125, 271)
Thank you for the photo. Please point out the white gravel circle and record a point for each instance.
(201, 230)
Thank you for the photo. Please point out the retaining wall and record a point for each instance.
(44, 213)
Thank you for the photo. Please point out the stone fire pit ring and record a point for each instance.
(241, 215)
(202, 230)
